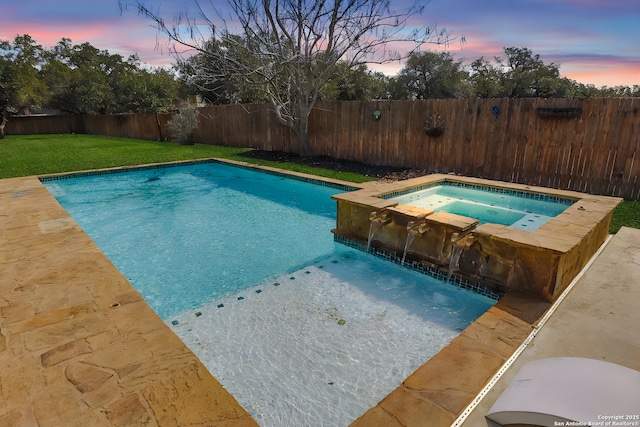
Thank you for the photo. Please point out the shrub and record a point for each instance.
(182, 125)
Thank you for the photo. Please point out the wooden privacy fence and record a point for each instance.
(150, 127)
(584, 145)
(587, 145)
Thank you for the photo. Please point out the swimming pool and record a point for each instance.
(243, 267)
(517, 209)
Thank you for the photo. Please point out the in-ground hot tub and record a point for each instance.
(524, 210)
(497, 236)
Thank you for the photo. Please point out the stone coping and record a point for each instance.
(597, 320)
(437, 392)
(386, 187)
(560, 234)
(593, 321)
(331, 182)
(79, 346)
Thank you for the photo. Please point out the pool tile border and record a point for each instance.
(454, 280)
(498, 190)
(311, 179)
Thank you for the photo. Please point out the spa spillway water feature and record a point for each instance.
(483, 234)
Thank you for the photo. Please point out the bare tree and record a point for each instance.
(290, 48)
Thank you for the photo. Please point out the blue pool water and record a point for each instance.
(243, 267)
(516, 210)
(185, 235)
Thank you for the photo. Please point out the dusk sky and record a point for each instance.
(594, 41)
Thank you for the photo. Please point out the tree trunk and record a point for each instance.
(301, 133)
(303, 144)
(161, 137)
(3, 122)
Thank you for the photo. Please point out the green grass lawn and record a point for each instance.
(45, 154)
(627, 214)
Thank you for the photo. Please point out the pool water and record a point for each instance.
(243, 267)
(283, 353)
(187, 235)
(498, 208)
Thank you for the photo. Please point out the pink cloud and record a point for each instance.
(599, 70)
(129, 37)
(567, 32)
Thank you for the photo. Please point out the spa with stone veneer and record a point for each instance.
(494, 257)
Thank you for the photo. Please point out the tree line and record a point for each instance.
(79, 78)
(83, 79)
(425, 75)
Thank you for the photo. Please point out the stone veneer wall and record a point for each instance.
(541, 263)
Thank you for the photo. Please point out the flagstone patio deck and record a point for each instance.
(79, 346)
